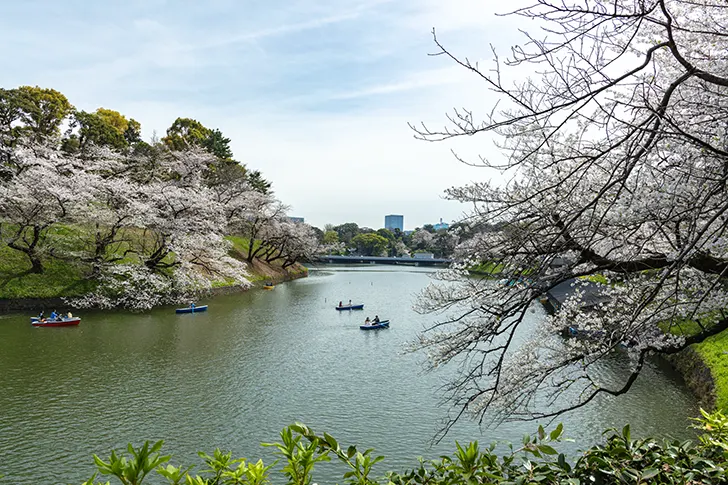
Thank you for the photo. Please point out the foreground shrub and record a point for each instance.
(619, 460)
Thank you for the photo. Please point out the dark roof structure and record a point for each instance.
(556, 296)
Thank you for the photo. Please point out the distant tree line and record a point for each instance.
(349, 238)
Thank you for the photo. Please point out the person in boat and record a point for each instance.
(192, 305)
(40, 315)
(367, 321)
(341, 304)
(69, 315)
(54, 315)
(376, 320)
(349, 302)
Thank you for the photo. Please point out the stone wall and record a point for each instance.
(696, 374)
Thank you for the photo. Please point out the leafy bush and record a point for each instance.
(620, 460)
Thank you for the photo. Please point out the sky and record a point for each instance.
(315, 94)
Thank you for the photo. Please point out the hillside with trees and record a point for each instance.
(89, 210)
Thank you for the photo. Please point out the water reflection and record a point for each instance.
(234, 376)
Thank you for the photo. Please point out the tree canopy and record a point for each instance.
(615, 168)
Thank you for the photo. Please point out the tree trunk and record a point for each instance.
(30, 249)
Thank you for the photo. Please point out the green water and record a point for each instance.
(234, 376)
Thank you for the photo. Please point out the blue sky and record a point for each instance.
(315, 94)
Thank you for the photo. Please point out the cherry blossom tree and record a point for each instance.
(615, 161)
(290, 242)
(42, 190)
(257, 220)
(422, 239)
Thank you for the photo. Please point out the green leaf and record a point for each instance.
(556, 433)
(649, 473)
(331, 441)
(547, 450)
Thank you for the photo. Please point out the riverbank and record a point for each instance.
(704, 367)
(713, 353)
(62, 279)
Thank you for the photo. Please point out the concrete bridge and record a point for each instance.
(382, 260)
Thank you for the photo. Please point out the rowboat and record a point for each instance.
(350, 307)
(381, 324)
(196, 309)
(64, 322)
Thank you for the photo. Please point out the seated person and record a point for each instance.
(376, 319)
(367, 321)
(54, 315)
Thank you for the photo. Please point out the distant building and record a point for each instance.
(296, 219)
(394, 221)
(441, 225)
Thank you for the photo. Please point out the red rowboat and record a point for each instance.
(66, 322)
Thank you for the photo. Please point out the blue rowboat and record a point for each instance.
(350, 307)
(196, 309)
(381, 324)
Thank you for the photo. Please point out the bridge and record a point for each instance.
(382, 260)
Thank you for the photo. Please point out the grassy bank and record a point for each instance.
(713, 354)
(486, 269)
(62, 277)
(68, 277)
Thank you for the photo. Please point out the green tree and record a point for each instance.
(387, 234)
(370, 244)
(256, 180)
(133, 132)
(100, 128)
(347, 232)
(217, 144)
(117, 120)
(41, 110)
(9, 109)
(185, 133)
(330, 237)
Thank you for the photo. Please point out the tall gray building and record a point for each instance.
(394, 221)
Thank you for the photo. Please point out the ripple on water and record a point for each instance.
(255, 362)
